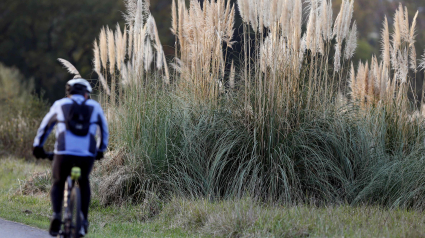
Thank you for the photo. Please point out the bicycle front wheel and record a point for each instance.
(76, 214)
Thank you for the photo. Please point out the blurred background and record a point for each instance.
(34, 33)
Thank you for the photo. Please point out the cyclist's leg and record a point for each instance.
(86, 165)
(60, 171)
(61, 168)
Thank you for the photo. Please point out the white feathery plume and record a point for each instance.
(296, 26)
(118, 46)
(361, 81)
(405, 25)
(253, 14)
(159, 58)
(153, 31)
(69, 67)
(413, 58)
(412, 34)
(337, 58)
(320, 44)
(352, 83)
(311, 26)
(131, 6)
(261, 19)
(124, 75)
(348, 15)
(422, 62)
(273, 11)
(111, 51)
(384, 81)
(285, 17)
(103, 82)
(385, 49)
(265, 13)
(404, 66)
(247, 6)
(330, 20)
(147, 5)
(124, 43)
(303, 48)
(351, 46)
(140, 53)
(396, 39)
(130, 41)
(397, 30)
(241, 8)
(138, 21)
(324, 19)
(103, 47)
(337, 31)
(96, 58)
(174, 17)
(230, 30)
(148, 55)
(232, 76)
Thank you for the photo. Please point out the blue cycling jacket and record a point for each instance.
(66, 142)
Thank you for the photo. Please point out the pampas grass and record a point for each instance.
(385, 42)
(111, 50)
(351, 42)
(96, 59)
(422, 62)
(279, 123)
(103, 47)
(69, 67)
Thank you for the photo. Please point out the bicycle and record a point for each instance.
(73, 217)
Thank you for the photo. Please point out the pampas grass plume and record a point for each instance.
(422, 62)
(96, 58)
(111, 50)
(351, 46)
(385, 49)
(103, 47)
(232, 76)
(174, 17)
(70, 67)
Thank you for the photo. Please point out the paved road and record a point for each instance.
(10, 229)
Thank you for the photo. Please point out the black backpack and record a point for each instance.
(78, 119)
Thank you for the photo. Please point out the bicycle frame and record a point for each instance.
(71, 181)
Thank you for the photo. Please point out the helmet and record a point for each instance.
(78, 86)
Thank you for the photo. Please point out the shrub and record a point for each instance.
(21, 113)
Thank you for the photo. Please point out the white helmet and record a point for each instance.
(79, 81)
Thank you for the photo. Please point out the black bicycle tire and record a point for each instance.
(75, 200)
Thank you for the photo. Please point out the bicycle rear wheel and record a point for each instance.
(75, 209)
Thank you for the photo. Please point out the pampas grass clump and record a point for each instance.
(291, 120)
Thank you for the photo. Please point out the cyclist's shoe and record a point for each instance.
(84, 228)
(82, 232)
(55, 224)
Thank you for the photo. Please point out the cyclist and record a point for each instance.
(71, 149)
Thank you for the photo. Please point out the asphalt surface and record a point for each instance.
(10, 229)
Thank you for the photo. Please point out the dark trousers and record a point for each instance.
(62, 165)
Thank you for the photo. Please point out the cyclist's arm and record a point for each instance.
(104, 134)
(46, 126)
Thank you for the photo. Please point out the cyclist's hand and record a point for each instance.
(99, 155)
(39, 152)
